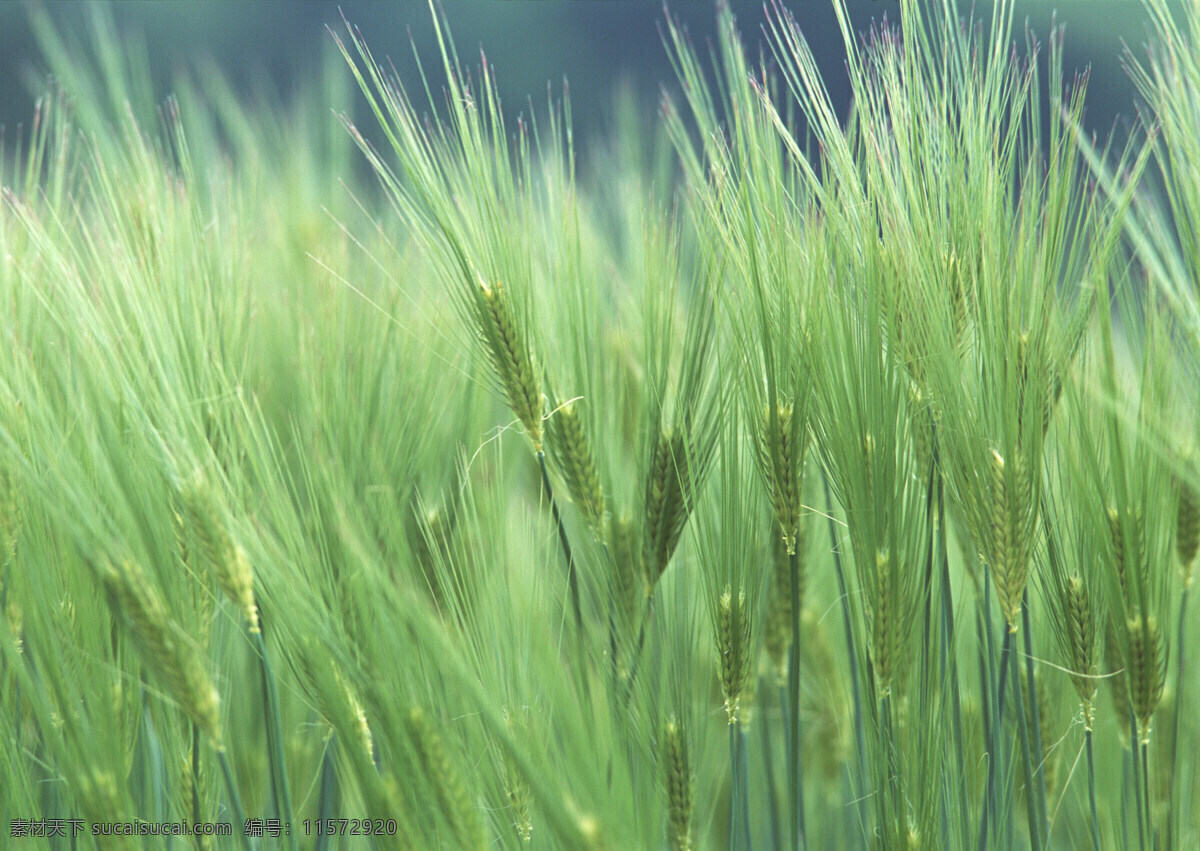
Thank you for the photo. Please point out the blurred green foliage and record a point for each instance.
(268, 48)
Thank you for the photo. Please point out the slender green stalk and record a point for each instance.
(1138, 780)
(1031, 807)
(986, 711)
(949, 656)
(1175, 821)
(565, 543)
(152, 769)
(572, 577)
(1126, 794)
(860, 737)
(743, 768)
(196, 814)
(796, 772)
(327, 800)
(235, 799)
(1039, 788)
(280, 787)
(768, 748)
(737, 791)
(1151, 827)
(891, 809)
(996, 729)
(1091, 770)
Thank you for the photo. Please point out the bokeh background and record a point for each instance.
(273, 48)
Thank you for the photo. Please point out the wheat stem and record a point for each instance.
(572, 576)
(679, 787)
(949, 657)
(235, 799)
(860, 736)
(1039, 788)
(1091, 770)
(1151, 828)
(1031, 811)
(1180, 680)
(795, 764)
(195, 763)
(1138, 779)
(327, 800)
(280, 787)
(768, 747)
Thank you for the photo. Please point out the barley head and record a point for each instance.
(885, 624)
(573, 455)
(782, 461)
(13, 619)
(508, 349)
(1147, 669)
(164, 646)
(362, 726)
(225, 558)
(1081, 640)
(630, 586)
(668, 500)
(10, 519)
(1187, 530)
(679, 778)
(1011, 534)
(733, 649)
(453, 797)
(520, 798)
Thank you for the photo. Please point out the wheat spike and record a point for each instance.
(506, 345)
(1187, 530)
(1081, 635)
(1011, 535)
(885, 633)
(733, 649)
(573, 455)
(667, 500)
(1147, 669)
(453, 797)
(216, 546)
(679, 787)
(164, 645)
(520, 798)
(783, 461)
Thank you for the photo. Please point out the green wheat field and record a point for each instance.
(791, 479)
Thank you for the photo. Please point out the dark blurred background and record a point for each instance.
(271, 45)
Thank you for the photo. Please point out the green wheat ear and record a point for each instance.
(10, 518)
(680, 783)
(576, 461)
(1187, 530)
(507, 347)
(733, 649)
(1082, 635)
(630, 584)
(1147, 669)
(1011, 533)
(516, 790)
(165, 647)
(782, 461)
(226, 559)
(453, 797)
(669, 497)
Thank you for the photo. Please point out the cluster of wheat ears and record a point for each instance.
(782, 479)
